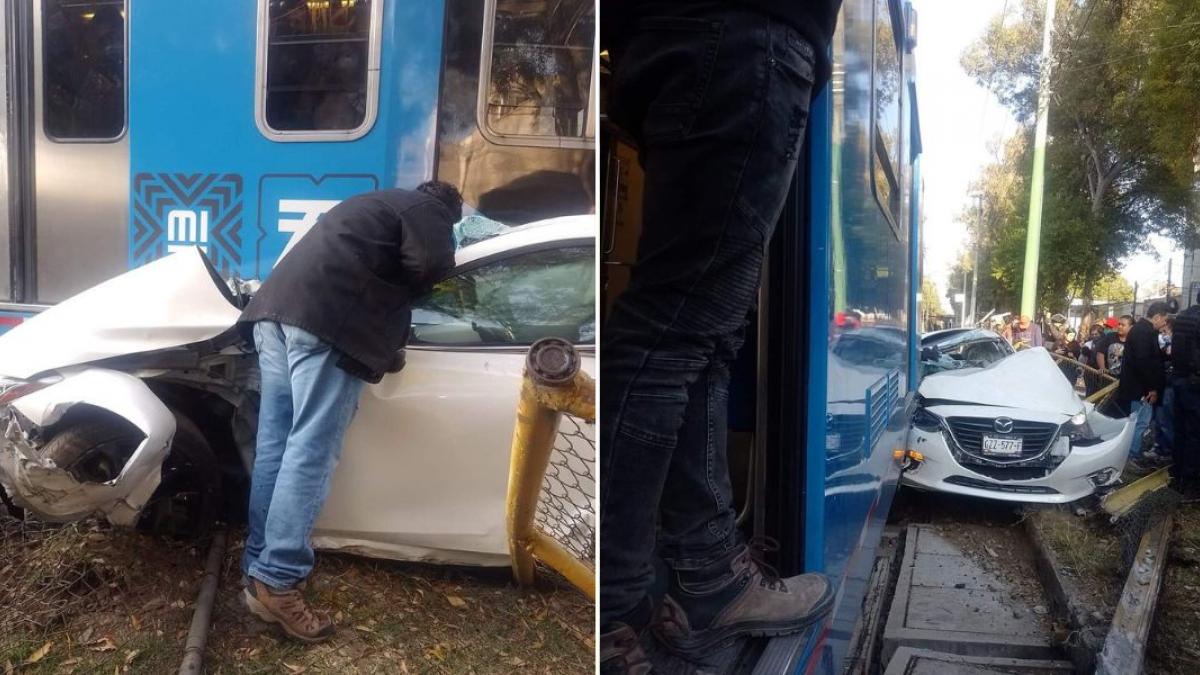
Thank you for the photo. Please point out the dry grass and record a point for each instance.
(1090, 553)
(129, 601)
(1175, 637)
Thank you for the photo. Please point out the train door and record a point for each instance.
(67, 165)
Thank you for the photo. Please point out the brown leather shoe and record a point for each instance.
(289, 609)
(621, 652)
(735, 597)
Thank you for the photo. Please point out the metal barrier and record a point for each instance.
(1096, 386)
(551, 478)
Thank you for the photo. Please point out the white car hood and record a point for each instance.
(1028, 379)
(170, 302)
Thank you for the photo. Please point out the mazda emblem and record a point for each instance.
(1003, 425)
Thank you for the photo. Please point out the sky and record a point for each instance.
(961, 125)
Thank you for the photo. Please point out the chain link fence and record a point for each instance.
(566, 508)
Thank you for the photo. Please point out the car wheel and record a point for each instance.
(188, 495)
(188, 498)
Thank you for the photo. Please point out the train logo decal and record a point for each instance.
(172, 211)
(290, 204)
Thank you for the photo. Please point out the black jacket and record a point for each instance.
(814, 19)
(351, 279)
(1185, 343)
(1142, 364)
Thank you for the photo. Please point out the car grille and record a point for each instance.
(984, 485)
(968, 435)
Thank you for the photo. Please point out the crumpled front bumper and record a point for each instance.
(1069, 481)
(37, 484)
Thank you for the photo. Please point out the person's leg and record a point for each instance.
(724, 89)
(325, 398)
(1165, 420)
(1187, 431)
(274, 425)
(1141, 412)
(697, 519)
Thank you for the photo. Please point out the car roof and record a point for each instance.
(958, 335)
(561, 229)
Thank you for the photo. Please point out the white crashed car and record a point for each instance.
(1013, 429)
(137, 400)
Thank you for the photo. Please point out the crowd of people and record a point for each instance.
(1155, 361)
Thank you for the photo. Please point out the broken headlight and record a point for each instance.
(11, 390)
(926, 421)
(1079, 431)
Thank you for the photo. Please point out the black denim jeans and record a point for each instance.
(1185, 450)
(717, 97)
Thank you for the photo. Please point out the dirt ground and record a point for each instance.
(1175, 637)
(87, 598)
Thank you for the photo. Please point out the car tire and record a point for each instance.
(188, 498)
(186, 502)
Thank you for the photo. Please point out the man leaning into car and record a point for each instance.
(333, 314)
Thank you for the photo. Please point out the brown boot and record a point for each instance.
(289, 609)
(735, 597)
(621, 652)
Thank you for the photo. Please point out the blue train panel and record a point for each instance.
(861, 335)
(202, 170)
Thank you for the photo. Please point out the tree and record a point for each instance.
(931, 304)
(1122, 138)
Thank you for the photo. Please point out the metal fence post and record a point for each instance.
(553, 384)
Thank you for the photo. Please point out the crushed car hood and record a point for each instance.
(1027, 379)
(173, 301)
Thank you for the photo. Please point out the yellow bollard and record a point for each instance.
(553, 384)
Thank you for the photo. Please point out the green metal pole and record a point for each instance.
(1034, 237)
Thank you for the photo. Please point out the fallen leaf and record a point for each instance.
(293, 669)
(131, 655)
(71, 662)
(8, 668)
(364, 629)
(103, 645)
(39, 654)
(135, 622)
(456, 601)
(86, 635)
(517, 661)
(436, 652)
(179, 604)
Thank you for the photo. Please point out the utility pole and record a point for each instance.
(1034, 236)
(962, 306)
(975, 261)
(1170, 259)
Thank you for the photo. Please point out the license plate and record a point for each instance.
(1002, 446)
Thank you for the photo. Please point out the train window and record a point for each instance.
(83, 69)
(318, 68)
(537, 72)
(885, 147)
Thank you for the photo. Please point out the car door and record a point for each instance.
(424, 468)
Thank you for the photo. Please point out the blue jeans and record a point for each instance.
(717, 97)
(1142, 413)
(1164, 419)
(307, 403)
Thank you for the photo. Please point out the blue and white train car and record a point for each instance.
(136, 127)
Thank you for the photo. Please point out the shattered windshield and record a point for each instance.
(964, 349)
